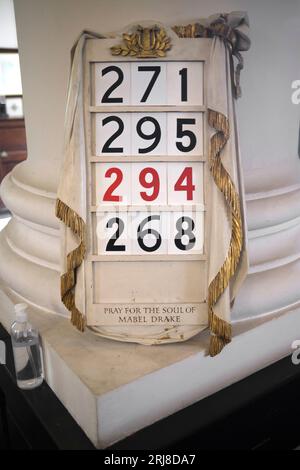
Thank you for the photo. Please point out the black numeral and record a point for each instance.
(106, 98)
(185, 133)
(106, 147)
(143, 232)
(183, 74)
(111, 245)
(156, 72)
(187, 231)
(155, 135)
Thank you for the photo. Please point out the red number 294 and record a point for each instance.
(149, 179)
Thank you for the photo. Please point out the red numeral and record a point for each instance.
(154, 184)
(187, 178)
(108, 196)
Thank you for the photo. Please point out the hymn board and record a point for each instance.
(147, 169)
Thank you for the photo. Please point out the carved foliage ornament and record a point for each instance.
(144, 43)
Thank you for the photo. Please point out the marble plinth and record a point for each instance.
(113, 389)
(30, 243)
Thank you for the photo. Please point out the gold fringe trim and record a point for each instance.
(74, 259)
(220, 329)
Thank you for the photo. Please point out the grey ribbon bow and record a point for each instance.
(232, 28)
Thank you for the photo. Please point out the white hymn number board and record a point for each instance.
(147, 166)
(143, 135)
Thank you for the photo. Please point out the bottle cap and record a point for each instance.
(21, 313)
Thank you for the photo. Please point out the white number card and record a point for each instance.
(152, 83)
(138, 184)
(149, 134)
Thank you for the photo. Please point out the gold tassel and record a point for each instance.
(74, 259)
(216, 345)
(220, 329)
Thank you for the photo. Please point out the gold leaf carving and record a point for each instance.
(144, 43)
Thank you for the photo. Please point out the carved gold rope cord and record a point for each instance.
(74, 260)
(220, 329)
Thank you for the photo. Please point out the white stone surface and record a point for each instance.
(3, 222)
(114, 389)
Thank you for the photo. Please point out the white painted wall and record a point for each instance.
(268, 120)
(8, 33)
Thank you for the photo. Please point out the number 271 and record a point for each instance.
(156, 71)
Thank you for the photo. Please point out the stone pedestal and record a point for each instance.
(112, 389)
(30, 246)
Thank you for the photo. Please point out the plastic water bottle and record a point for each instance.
(27, 350)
